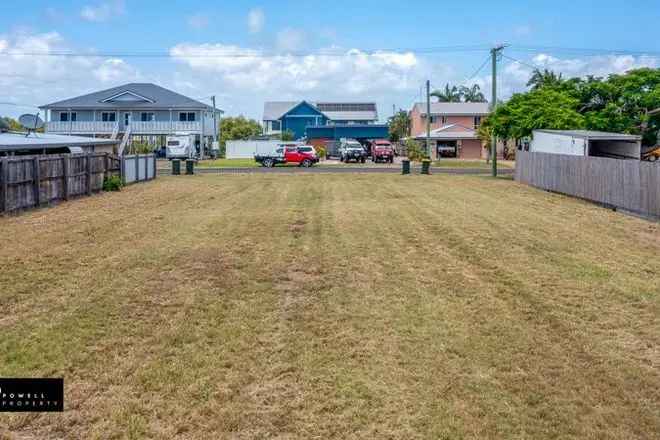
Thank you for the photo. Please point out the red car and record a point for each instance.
(303, 155)
(382, 151)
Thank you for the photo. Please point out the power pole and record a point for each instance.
(494, 52)
(393, 109)
(428, 118)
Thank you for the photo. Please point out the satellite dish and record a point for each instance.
(31, 122)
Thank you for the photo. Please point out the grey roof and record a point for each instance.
(158, 98)
(47, 140)
(595, 135)
(368, 115)
(455, 108)
(274, 110)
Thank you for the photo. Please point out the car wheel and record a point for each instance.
(268, 163)
(363, 160)
(306, 163)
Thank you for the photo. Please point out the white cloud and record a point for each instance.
(289, 39)
(103, 11)
(37, 80)
(256, 20)
(198, 21)
(243, 78)
(115, 70)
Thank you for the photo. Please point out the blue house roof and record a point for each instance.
(140, 96)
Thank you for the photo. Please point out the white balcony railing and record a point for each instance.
(137, 127)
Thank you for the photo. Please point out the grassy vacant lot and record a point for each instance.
(334, 306)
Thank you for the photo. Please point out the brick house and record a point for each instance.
(453, 128)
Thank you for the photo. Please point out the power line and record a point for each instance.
(520, 62)
(585, 51)
(479, 69)
(248, 53)
(15, 104)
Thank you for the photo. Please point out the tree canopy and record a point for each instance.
(237, 128)
(459, 94)
(7, 123)
(618, 103)
(399, 126)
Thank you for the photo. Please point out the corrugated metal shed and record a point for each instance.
(39, 141)
(595, 135)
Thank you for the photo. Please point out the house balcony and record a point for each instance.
(137, 127)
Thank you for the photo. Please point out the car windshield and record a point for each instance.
(305, 150)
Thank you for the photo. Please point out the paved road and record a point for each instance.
(335, 169)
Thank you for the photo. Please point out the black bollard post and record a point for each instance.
(176, 167)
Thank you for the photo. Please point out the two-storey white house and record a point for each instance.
(141, 112)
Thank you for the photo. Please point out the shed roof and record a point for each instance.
(455, 108)
(594, 135)
(13, 141)
(135, 95)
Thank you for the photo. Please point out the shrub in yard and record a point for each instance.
(320, 151)
(415, 150)
(112, 183)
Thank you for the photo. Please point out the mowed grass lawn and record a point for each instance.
(333, 306)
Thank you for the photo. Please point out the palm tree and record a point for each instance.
(545, 78)
(450, 94)
(472, 94)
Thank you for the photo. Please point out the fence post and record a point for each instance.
(36, 177)
(106, 166)
(88, 172)
(122, 169)
(4, 177)
(155, 167)
(137, 167)
(146, 167)
(67, 171)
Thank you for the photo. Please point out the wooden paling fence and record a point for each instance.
(33, 181)
(625, 184)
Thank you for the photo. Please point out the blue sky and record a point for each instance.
(261, 34)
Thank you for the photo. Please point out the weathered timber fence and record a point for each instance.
(138, 168)
(625, 184)
(33, 181)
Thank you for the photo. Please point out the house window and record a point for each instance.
(477, 121)
(187, 116)
(147, 117)
(276, 125)
(66, 117)
(108, 117)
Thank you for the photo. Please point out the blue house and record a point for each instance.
(298, 116)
